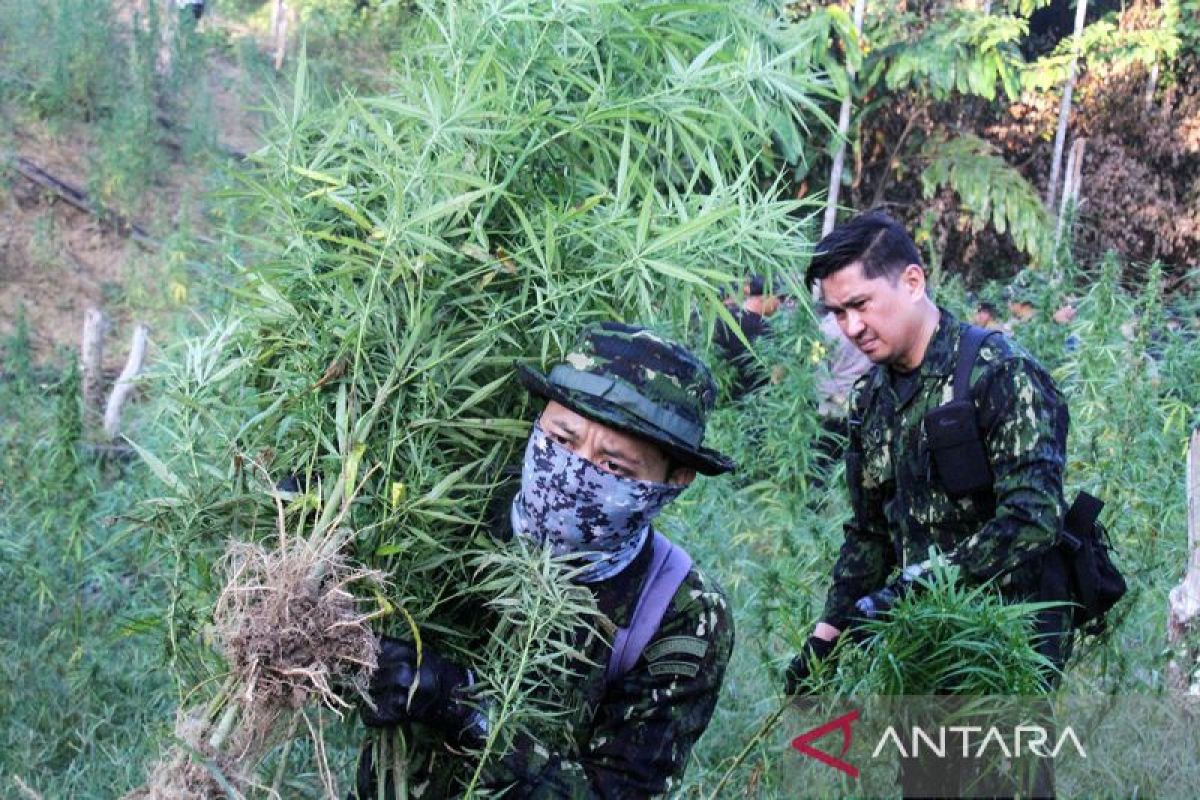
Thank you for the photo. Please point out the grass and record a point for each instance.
(86, 699)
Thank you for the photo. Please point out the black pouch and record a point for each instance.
(957, 450)
(1096, 583)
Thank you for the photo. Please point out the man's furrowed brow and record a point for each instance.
(618, 454)
(564, 427)
(854, 300)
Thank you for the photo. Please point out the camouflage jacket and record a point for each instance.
(899, 507)
(634, 738)
(631, 739)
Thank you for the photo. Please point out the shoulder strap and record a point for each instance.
(972, 339)
(669, 565)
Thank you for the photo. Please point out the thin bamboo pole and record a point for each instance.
(839, 157)
(1064, 109)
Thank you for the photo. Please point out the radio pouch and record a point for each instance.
(952, 429)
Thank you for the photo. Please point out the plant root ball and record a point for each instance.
(290, 628)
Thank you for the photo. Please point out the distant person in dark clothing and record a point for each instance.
(751, 307)
(195, 6)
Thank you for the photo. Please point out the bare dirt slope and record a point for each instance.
(57, 261)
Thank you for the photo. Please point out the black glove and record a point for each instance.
(802, 666)
(437, 700)
(883, 600)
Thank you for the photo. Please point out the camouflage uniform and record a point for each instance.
(631, 738)
(899, 507)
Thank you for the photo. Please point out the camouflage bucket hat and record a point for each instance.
(633, 380)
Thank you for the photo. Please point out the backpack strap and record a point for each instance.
(669, 565)
(973, 338)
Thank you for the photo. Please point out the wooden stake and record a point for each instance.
(1183, 618)
(91, 357)
(1075, 168)
(1151, 85)
(124, 385)
(1071, 185)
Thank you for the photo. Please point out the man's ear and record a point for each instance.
(681, 476)
(913, 279)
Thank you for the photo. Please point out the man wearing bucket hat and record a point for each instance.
(620, 437)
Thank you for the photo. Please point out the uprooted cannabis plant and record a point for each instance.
(536, 166)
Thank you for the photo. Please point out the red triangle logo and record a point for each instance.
(803, 743)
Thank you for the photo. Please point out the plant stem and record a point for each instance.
(283, 757)
(763, 730)
(224, 727)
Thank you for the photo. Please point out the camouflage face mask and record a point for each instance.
(569, 504)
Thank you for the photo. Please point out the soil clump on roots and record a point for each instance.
(292, 633)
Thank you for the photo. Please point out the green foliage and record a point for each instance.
(991, 190)
(72, 62)
(1184, 16)
(959, 52)
(776, 450)
(1104, 43)
(57, 56)
(81, 702)
(18, 350)
(947, 638)
(923, 60)
(1024, 7)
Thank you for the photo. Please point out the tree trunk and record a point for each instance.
(839, 157)
(1064, 109)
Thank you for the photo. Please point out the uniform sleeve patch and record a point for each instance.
(674, 668)
(677, 645)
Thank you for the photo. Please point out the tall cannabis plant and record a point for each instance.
(537, 166)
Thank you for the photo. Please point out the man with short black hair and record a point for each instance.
(872, 280)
